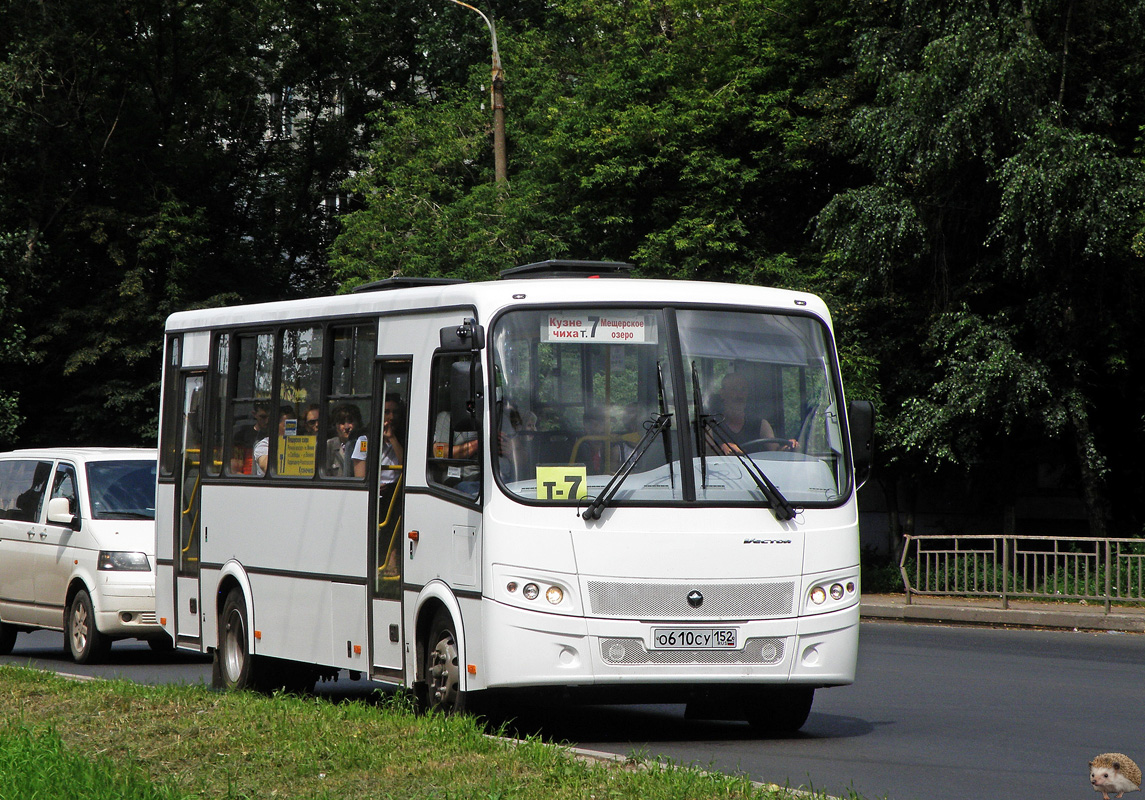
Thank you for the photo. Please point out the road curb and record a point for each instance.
(964, 614)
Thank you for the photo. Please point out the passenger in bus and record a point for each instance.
(463, 447)
(262, 446)
(390, 462)
(247, 434)
(313, 419)
(347, 421)
(393, 451)
(737, 426)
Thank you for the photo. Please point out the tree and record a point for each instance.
(160, 155)
(678, 135)
(997, 228)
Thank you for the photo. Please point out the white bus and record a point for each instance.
(620, 490)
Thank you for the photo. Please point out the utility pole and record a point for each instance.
(500, 168)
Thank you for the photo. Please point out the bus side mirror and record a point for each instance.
(60, 512)
(464, 389)
(466, 336)
(861, 422)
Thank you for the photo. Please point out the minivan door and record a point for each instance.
(54, 562)
(23, 487)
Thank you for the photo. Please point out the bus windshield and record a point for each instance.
(753, 400)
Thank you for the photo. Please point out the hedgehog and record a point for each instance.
(1114, 773)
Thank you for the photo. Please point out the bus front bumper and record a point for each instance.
(526, 648)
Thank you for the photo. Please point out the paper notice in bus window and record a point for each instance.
(296, 456)
(606, 327)
(562, 482)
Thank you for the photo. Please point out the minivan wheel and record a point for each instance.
(7, 638)
(85, 643)
(161, 644)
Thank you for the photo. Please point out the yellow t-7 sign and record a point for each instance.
(562, 482)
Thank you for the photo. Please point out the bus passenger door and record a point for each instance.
(187, 520)
(386, 639)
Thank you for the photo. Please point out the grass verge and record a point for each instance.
(111, 739)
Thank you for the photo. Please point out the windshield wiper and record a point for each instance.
(783, 510)
(660, 423)
(667, 424)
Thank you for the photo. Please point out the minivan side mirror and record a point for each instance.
(60, 512)
(861, 421)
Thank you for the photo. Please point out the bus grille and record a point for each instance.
(670, 600)
(148, 618)
(633, 651)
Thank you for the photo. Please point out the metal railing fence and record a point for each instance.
(1029, 567)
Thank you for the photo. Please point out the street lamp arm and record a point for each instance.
(500, 166)
(492, 34)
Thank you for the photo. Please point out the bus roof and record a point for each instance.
(490, 297)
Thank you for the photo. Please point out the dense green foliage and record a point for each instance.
(963, 182)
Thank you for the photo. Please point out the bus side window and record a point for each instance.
(453, 459)
(349, 397)
(250, 400)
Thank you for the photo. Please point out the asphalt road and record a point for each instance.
(937, 713)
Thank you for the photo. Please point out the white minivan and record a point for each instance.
(77, 547)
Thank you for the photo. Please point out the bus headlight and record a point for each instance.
(831, 595)
(123, 561)
(536, 590)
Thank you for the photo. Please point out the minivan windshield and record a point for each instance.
(744, 405)
(121, 489)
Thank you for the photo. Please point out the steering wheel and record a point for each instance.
(757, 445)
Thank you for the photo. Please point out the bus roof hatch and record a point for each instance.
(563, 268)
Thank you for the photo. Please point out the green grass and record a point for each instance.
(106, 740)
(39, 766)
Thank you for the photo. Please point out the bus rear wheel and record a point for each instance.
(232, 668)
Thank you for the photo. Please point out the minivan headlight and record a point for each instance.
(122, 560)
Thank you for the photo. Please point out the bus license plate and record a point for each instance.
(694, 639)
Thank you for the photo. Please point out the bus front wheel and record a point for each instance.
(443, 691)
(443, 666)
(233, 663)
(782, 710)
